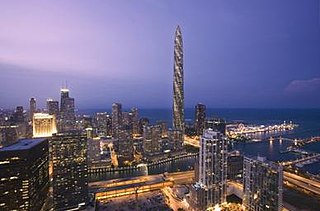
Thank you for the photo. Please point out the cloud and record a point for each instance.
(310, 86)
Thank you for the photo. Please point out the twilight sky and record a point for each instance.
(246, 53)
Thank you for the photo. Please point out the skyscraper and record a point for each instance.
(262, 184)
(200, 117)
(212, 184)
(33, 107)
(24, 175)
(67, 114)
(116, 119)
(70, 171)
(53, 107)
(178, 90)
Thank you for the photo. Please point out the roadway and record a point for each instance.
(302, 182)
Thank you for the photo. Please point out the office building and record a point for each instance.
(116, 119)
(18, 115)
(24, 175)
(176, 139)
(152, 140)
(178, 83)
(44, 125)
(94, 151)
(67, 113)
(262, 184)
(200, 118)
(212, 184)
(33, 107)
(53, 107)
(124, 145)
(70, 171)
(103, 124)
(235, 166)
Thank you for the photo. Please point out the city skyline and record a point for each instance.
(255, 55)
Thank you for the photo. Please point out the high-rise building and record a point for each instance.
(200, 118)
(33, 107)
(44, 125)
(67, 113)
(212, 184)
(53, 107)
(176, 138)
(216, 124)
(103, 123)
(18, 115)
(116, 119)
(124, 145)
(70, 171)
(24, 175)
(152, 139)
(94, 151)
(262, 184)
(178, 78)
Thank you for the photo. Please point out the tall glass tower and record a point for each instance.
(178, 93)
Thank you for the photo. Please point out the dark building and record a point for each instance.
(67, 114)
(8, 135)
(53, 107)
(24, 175)
(116, 119)
(216, 124)
(235, 166)
(18, 116)
(33, 107)
(178, 83)
(200, 118)
(152, 139)
(70, 171)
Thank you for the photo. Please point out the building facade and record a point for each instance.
(53, 107)
(67, 113)
(24, 175)
(116, 119)
(212, 183)
(262, 184)
(70, 171)
(44, 125)
(200, 118)
(178, 83)
(33, 107)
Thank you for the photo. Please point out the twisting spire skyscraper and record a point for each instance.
(178, 90)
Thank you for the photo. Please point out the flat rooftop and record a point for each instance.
(23, 144)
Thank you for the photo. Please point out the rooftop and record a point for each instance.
(23, 144)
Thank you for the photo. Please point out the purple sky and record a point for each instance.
(237, 53)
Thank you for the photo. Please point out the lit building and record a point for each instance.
(178, 78)
(70, 171)
(24, 175)
(176, 138)
(262, 184)
(67, 113)
(44, 125)
(200, 118)
(116, 119)
(142, 123)
(212, 184)
(124, 145)
(33, 107)
(103, 123)
(94, 151)
(53, 107)
(152, 139)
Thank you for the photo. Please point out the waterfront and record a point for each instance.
(307, 119)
